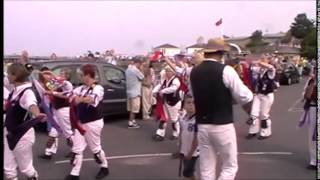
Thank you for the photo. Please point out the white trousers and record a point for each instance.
(62, 116)
(261, 112)
(146, 101)
(92, 137)
(312, 115)
(215, 139)
(21, 157)
(172, 112)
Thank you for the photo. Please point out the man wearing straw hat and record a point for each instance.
(214, 87)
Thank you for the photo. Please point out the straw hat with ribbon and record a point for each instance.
(215, 45)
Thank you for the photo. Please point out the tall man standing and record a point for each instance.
(134, 78)
(214, 86)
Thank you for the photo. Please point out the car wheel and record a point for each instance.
(289, 81)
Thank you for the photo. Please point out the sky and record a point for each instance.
(71, 28)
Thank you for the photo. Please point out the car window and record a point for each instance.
(113, 75)
(75, 77)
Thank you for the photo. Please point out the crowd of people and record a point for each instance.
(194, 95)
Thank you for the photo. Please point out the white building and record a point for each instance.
(196, 47)
(168, 49)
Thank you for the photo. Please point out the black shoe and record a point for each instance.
(176, 155)
(102, 173)
(172, 137)
(157, 137)
(72, 177)
(47, 157)
(32, 178)
(263, 137)
(312, 167)
(250, 136)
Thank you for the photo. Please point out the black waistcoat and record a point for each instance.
(172, 98)
(15, 114)
(60, 102)
(87, 113)
(213, 100)
(265, 84)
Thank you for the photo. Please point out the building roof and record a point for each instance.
(277, 35)
(288, 50)
(166, 46)
(237, 38)
(196, 46)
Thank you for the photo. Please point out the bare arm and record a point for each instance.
(36, 112)
(172, 65)
(193, 146)
(247, 107)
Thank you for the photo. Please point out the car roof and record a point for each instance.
(70, 61)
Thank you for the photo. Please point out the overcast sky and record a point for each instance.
(73, 27)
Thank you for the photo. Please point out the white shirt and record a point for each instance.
(185, 72)
(169, 89)
(6, 82)
(188, 132)
(5, 95)
(66, 86)
(96, 93)
(232, 81)
(27, 99)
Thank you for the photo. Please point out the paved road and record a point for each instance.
(283, 156)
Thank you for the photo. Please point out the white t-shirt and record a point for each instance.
(188, 131)
(27, 99)
(96, 93)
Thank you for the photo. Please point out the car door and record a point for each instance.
(114, 83)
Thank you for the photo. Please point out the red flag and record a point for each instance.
(218, 23)
(157, 55)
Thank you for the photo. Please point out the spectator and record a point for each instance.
(147, 86)
(53, 56)
(134, 78)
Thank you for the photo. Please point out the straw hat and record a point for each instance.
(215, 45)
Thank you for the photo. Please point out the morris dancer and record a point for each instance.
(169, 91)
(88, 100)
(19, 136)
(262, 101)
(60, 104)
(310, 117)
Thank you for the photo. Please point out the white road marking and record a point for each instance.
(294, 107)
(169, 154)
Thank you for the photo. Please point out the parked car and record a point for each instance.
(289, 74)
(111, 77)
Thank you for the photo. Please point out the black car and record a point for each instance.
(289, 74)
(111, 77)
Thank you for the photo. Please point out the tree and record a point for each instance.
(309, 44)
(301, 26)
(287, 38)
(200, 40)
(256, 39)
